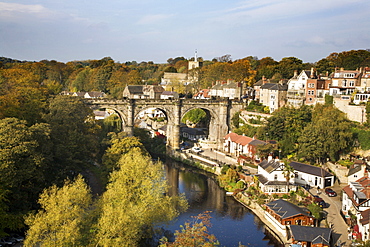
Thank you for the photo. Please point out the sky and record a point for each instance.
(148, 30)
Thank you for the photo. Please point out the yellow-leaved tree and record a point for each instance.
(135, 202)
(63, 216)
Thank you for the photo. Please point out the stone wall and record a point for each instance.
(354, 112)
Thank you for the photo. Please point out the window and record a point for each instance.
(275, 177)
(351, 83)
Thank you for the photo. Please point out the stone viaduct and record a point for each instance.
(219, 113)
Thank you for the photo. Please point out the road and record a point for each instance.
(334, 218)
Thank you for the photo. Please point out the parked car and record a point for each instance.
(330, 192)
(319, 201)
(196, 149)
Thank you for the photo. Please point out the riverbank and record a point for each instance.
(260, 213)
(254, 207)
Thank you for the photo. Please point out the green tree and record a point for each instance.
(286, 126)
(288, 65)
(327, 136)
(62, 217)
(135, 202)
(195, 116)
(24, 157)
(288, 172)
(73, 134)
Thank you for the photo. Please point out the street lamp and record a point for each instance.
(279, 154)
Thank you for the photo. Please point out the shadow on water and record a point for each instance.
(232, 223)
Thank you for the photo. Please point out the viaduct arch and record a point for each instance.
(128, 109)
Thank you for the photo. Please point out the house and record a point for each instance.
(363, 90)
(313, 176)
(193, 134)
(94, 95)
(227, 89)
(356, 201)
(100, 115)
(357, 170)
(142, 92)
(273, 95)
(281, 213)
(216, 90)
(362, 231)
(202, 94)
(316, 89)
(310, 236)
(271, 177)
(170, 78)
(169, 95)
(257, 87)
(297, 88)
(344, 82)
(241, 145)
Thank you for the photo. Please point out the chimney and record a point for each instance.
(312, 73)
(269, 158)
(264, 80)
(295, 74)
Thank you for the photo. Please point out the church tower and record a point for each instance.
(194, 64)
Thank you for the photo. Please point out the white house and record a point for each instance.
(313, 176)
(296, 94)
(169, 95)
(356, 201)
(272, 179)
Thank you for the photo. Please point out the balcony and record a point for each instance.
(296, 94)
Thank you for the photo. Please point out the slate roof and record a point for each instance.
(193, 131)
(256, 142)
(360, 189)
(133, 89)
(354, 169)
(314, 235)
(269, 166)
(275, 86)
(169, 93)
(263, 180)
(286, 209)
(310, 169)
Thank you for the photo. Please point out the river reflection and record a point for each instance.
(232, 223)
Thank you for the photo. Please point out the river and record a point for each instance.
(231, 222)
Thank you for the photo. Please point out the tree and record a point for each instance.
(120, 145)
(327, 136)
(288, 65)
(73, 134)
(265, 150)
(62, 217)
(195, 116)
(194, 233)
(135, 202)
(286, 126)
(24, 157)
(287, 172)
(21, 95)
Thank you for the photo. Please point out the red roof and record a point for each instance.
(240, 139)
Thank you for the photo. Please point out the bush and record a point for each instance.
(224, 169)
(240, 185)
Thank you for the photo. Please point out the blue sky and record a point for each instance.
(147, 30)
